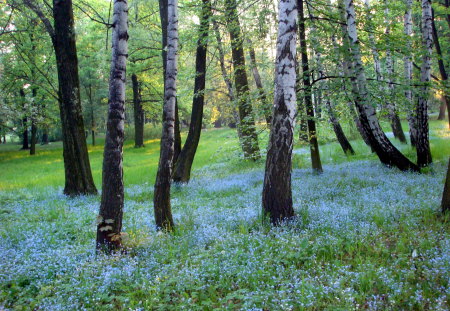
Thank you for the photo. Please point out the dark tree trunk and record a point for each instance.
(111, 209)
(277, 193)
(342, 139)
(256, 76)
(25, 145)
(4, 139)
(183, 165)
(161, 197)
(78, 173)
(33, 137)
(247, 123)
(442, 70)
(312, 133)
(423, 144)
(385, 150)
(138, 113)
(442, 109)
(445, 205)
(44, 140)
(163, 11)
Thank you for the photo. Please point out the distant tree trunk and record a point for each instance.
(385, 150)
(4, 139)
(161, 198)
(24, 122)
(445, 205)
(423, 144)
(408, 64)
(111, 209)
(182, 169)
(33, 137)
(77, 168)
(342, 139)
(247, 123)
(442, 109)
(277, 193)
(442, 70)
(138, 113)
(312, 134)
(256, 76)
(44, 140)
(163, 13)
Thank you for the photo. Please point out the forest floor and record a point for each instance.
(366, 236)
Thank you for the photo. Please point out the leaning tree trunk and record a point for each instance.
(163, 13)
(247, 123)
(408, 64)
(277, 193)
(111, 209)
(442, 70)
(161, 198)
(138, 113)
(385, 150)
(256, 76)
(183, 165)
(312, 133)
(423, 143)
(445, 204)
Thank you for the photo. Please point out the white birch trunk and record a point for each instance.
(277, 194)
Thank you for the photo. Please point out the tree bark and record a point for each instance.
(138, 113)
(78, 175)
(277, 193)
(312, 134)
(247, 123)
(385, 150)
(161, 198)
(33, 137)
(442, 109)
(111, 209)
(445, 204)
(256, 76)
(423, 144)
(183, 165)
(44, 140)
(163, 13)
(442, 70)
(408, 71)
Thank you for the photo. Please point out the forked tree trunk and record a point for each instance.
(445, 204)
(161, 198)
(138, 113)
(442, 71)
(249, 137)
(385, 150)
(423, 144)
(408, 64)
(109, 224)
(312, 133)
(277, 193)
(256, 76)
(183, 165)
(163, 13)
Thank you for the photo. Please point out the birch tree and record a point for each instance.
(277, 193)
(422, 143)
(161, 197)
(385, 150)
(111, 209)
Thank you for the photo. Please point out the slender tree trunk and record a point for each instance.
(277, 193)
(423, 144)
(76, 159)
(342, 139)
(385, 150)
(247, 123)
(442, 70)
(25, 145)
(182, 169)
(138, 113)
(445, 205)
(4, 139)
(161, 198)
(163, 13)
(111, 209)
(44, 140)
(408, 64)
(312, 134)
(442, 109)
(33, 137)
(256, 76)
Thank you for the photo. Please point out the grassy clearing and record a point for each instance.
(367, 237)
